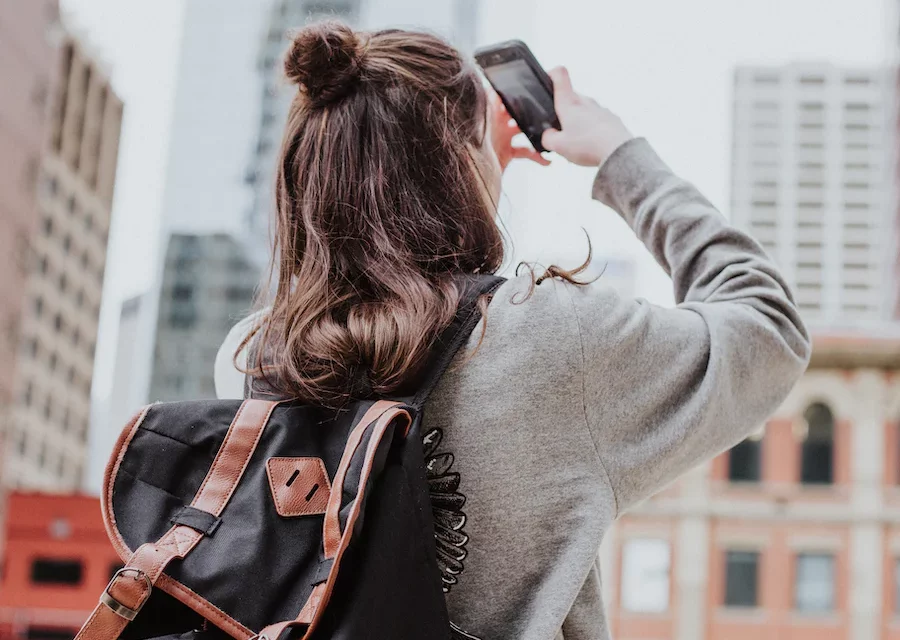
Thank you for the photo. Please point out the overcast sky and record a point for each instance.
(664, 65)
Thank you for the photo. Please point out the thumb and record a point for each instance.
(551, 139)
(562, 85)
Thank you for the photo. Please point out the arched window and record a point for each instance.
(817, 462)
(744, 459)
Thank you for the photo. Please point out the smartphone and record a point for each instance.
(523, 85)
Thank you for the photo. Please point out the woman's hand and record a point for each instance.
(590, 133)
(503, 129)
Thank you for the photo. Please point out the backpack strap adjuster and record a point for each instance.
(121, 610)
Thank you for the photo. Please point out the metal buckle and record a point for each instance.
(117, 607)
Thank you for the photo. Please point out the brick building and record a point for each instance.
(793, 534)
(56, 563)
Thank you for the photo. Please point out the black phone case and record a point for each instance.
(512, 50)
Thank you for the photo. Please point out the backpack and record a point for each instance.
(278, 520)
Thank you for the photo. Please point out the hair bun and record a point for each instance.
(324, 60)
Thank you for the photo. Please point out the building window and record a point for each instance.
(53, 571)
(741, 578)
(814, 586)
(744, 461)
(182, 292)
(48, 226)
(645, 575)
(50, 633)
(817, 452)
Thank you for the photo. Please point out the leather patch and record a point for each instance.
(300, 486)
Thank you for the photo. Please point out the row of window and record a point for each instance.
(646, 566)
(817, 451)
(66, 242)
(814, 581)
(62, 572)
(817, 124)
(64, 469)
(810, 80)
(34, 349)
(61, 327)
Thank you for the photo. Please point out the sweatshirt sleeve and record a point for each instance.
(666, 388)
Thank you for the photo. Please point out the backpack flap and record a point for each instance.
(202, 502)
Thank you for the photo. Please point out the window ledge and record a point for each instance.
(829, 618)
(645, 615)
(744, 615)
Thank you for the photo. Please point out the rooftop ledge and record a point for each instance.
(877, 348)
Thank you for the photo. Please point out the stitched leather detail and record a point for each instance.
(204, 607)
(331, 532)
(300, 486)
(234, 454)
(151, 558)
(179, 541)
(109, 479)
(318, 599)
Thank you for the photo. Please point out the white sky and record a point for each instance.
(664, 65)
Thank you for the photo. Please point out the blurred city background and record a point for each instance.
(137, 142)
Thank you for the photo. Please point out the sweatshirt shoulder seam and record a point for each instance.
(587, 427)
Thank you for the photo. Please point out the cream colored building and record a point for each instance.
(47, 424)
(794, 534)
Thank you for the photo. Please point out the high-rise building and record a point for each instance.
(453, 19)
(208, 285)
(212, 134)
(794, 533)
(50, 410)
(811, 180)
(28, 51)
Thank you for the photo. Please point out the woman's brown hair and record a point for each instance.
(380, 204)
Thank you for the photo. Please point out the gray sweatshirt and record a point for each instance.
(580, 403)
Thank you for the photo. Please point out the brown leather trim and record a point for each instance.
(109, 478)
(150, 559)
(331, 528)
(204, 607)
(299, 486)
(321, 593)
(233, 456)
(377, 435)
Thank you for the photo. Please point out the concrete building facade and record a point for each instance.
(49, 412)
(812, 180)
(794, 533)
(28, 46)
(208, 285)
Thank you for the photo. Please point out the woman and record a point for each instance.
(570, 403)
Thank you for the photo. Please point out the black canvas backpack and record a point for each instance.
(279, 520)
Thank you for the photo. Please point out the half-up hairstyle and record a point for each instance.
(380, 203)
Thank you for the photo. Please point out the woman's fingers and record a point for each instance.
(550, 138)
(563, 92)
(527, 153)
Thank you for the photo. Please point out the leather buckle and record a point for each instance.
(117, 607)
